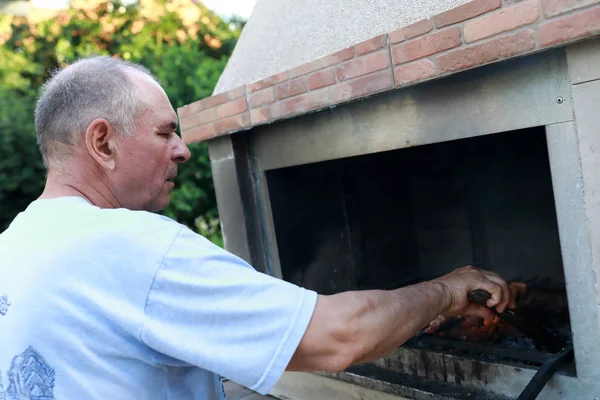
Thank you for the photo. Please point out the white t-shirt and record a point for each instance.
(118, 304)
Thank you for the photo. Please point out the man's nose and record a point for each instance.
(181, 153)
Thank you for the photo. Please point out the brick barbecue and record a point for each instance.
(468, 137)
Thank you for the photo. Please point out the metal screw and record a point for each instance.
(560, 100)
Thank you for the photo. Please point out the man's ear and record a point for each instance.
(101, 143)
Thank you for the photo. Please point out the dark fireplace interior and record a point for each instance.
(390, 219)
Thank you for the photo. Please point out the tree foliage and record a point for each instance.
(186, 57)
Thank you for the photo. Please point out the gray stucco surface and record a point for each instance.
(283, 34)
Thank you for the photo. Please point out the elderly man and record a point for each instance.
(102, 299)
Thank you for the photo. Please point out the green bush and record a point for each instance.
(187, 67)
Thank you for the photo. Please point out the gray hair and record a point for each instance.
(94, 87)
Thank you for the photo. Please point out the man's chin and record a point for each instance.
(160, 204)
(163, 206)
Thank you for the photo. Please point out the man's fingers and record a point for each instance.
(518, 290)
(479, 311)
(435, 324)
(505, 292)
(493, 288)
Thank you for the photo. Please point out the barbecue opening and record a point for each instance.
(395, 218)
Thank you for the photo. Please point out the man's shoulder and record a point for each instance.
(135, 226)
(127, 217)
(82, 223)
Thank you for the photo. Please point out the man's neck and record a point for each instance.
(61, 183)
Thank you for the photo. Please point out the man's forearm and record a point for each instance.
(355, 327)
(379, 321)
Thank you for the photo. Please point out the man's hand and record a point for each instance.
(356, 327)
(461, 281)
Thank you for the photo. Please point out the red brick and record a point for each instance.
(306, 102)
(363, 65)
(324, 62)
(203, 104)
(502, 21)
(487, 52)
(237, 92)
(426, 45)
(362, 87)
(321, 79)
(260, 115)
(198, 133)
(291, 88)
(270, 81)
(262, 97)
(232, 124)
(187, 110)
(232, 108)
(466, 11)
(414, 72)
(555, 7)
(199, 118)
(570, 27)
(411, 31)
(370, 45)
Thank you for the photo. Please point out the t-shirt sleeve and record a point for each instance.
(210, 309)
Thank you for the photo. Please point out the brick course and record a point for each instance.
(232, 123)
(426, 45)
(364, 65)
(370, 45)
(291, 88)
(261, 98)
(320, 79)
(504, 20)
(475, 34)
(362, 87)
(570, 27)
(466, 11)
(270, 81)
(411, 31)
(260, 115)
(414, 72)
(200, 118)
(303, 103)
(199, 133)
(324, 62)
(486, 52)
(234, 107)
(557, 7)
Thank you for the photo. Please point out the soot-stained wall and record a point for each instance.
(393, 218)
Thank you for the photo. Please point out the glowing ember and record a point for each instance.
(478, 330)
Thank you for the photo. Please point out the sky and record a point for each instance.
(226, 8)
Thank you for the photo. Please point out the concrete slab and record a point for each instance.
(231, 210)
(306, 386)
(235, 391)
(220, 148)
(584, 61)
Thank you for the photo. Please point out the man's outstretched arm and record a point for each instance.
(360, 326)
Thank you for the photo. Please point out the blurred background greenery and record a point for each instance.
(185, 44)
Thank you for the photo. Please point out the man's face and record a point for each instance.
(146, 164)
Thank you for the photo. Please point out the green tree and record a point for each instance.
(186, 59)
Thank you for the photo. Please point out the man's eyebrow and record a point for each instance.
(172, 125)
